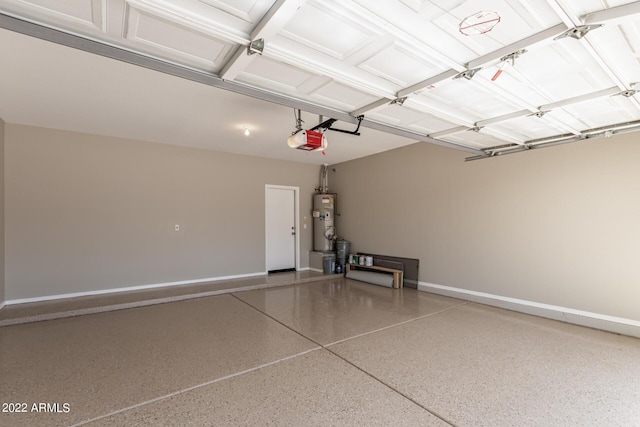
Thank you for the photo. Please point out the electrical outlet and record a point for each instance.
(177, 227)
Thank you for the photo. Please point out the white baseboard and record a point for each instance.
(2, 304)
(577, 317)
(131, 288)
(319, 270)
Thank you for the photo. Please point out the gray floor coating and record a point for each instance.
(56, 309)
(330, 352)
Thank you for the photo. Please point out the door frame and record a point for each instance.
(296, 215)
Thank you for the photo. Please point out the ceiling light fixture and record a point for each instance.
(247, 132)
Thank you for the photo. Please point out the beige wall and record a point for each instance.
(557, 226)
(87, 213)
(1, 212)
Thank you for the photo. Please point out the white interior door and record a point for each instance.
(281, 227)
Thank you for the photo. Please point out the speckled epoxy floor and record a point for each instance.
(333, 352)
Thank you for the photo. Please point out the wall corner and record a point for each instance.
(2, 141)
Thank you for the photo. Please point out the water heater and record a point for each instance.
(324, 229)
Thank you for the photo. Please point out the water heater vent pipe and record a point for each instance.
(324, 179)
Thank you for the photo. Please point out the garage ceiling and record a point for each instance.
(487, 77)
